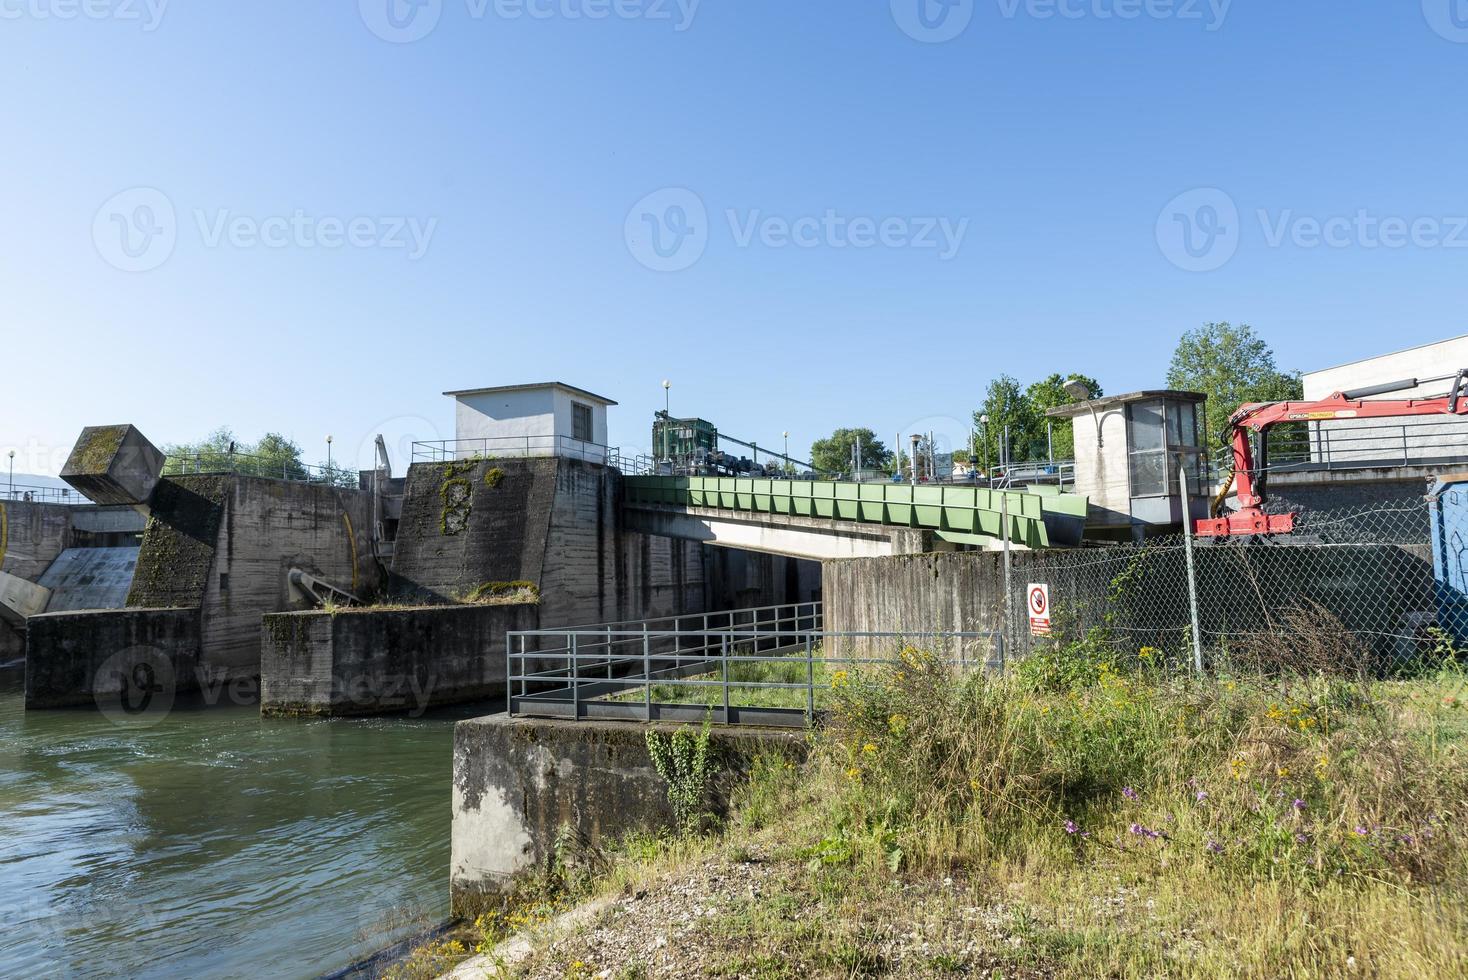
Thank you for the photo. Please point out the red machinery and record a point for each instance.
(1251, 468)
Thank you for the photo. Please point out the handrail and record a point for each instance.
(588, 672)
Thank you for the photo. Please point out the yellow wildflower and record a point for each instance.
(870, 748)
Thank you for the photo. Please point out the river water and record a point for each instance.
(215, 843)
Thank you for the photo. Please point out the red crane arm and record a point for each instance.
(1260, 417)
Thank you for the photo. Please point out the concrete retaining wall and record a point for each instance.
(87, 654)
(373, 661)
(517, 782)
(31, 536)
(1374, 590)
(228, 543)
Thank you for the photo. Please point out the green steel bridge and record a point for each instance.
(1038, 517)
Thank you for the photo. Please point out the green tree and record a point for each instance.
(1232, 366)
(1050, 393)
(221, 452)
(833, 454)
(1005, 404)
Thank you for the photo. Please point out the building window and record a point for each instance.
(581, 421)
(1162, 437)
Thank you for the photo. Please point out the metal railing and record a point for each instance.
(735, 673)
(23, 493)
(515, 447)
(267, 467)
(1368, 445)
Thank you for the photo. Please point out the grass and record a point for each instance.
(795, 672)
(1098, 813)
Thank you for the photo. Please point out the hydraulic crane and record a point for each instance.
(1251, 465)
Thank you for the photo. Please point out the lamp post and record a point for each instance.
(667, 396)
(1081, 392)
(12, 473)
(984, 437)
(786, 434)
(328, 452)
(913, 459)
(667, 417)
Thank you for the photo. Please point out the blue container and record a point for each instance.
(1449, 509)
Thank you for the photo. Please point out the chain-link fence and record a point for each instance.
(1379, 587)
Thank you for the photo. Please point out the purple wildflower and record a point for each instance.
(1407, 839)
(1129, 793)
(1214, 847)
(1070, 827)
(1298, 804)
(1362, 831)
(1301, 838)
(1202, 796)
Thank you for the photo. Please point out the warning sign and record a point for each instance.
(1038, 598)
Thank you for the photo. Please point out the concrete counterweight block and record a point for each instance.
(114, 464)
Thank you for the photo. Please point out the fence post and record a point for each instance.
(1004, 532)
(810, 682)
(575, 679)
(646, 675)
(1182, 472)
(724, 655)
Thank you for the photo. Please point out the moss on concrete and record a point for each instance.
(179, 542)
(95, 450)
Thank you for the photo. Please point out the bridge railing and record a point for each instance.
(517, 447)
(779, 668)
(22, 493)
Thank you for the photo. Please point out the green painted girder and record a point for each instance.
(949, 510)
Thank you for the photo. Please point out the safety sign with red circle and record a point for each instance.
(1038, 599)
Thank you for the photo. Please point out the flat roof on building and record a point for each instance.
(1110, 401)
(501, 389)
(1377, 357)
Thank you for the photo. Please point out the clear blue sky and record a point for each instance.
(527, 141)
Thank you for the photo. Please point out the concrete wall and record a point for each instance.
(270, 527)
(1375, 590)
(81, 658)
(227, 545)
(552, 522)
(372, 661)
(32, 535)
(517, 782)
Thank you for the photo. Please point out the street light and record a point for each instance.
(12, 473)
(328, 452)
(667, 397)
(786, 434)
(984, 437)
(1081, 392)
